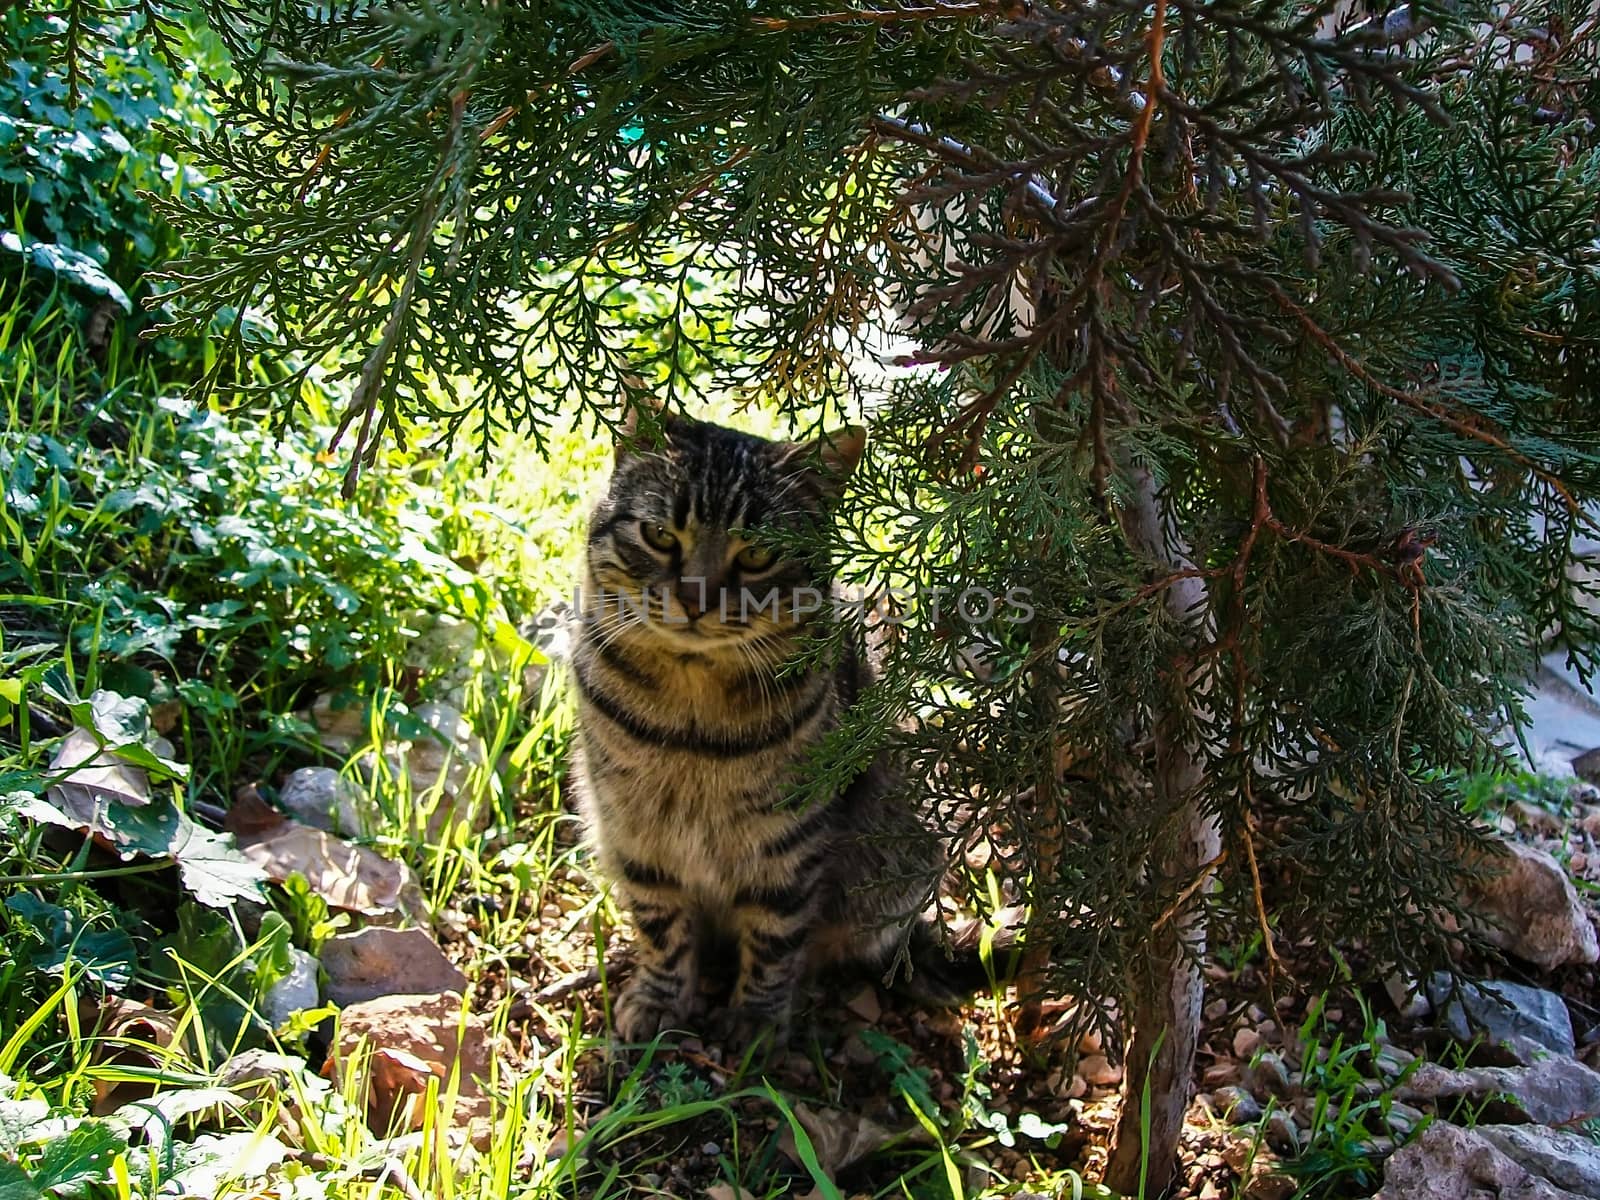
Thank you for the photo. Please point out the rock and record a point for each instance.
(1499, 1010)
(1267, 1078)
(412, 1039)
(1270, 1185)
(440, 765)
(865, 1004)
(383, 962)
(1405, 993)
(1587, 766)
(1098, 1071)
(1565, 1158)
(1450, 1163)
(1537, 818)
(295, 992)
(1236, 1105)
(1246, 1042)
(1532, 910)
(445, 650)
(1558, 1091)
(1402, 1118)
(1281, 1133)
(283, 1085)
(324, 799)
(341, 727)
(1390, 1060)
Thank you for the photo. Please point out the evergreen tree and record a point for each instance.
(1269, 344)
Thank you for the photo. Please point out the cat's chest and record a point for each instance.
(705, 828)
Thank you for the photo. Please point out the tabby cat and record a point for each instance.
(693, 723)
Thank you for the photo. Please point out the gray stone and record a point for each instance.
(378, 962)
(1500, 1011)
(1587, 766)
(295, 992)
(323, 799)
(1450, 1163)
(1558, 1091)
(1281, 1133)
(1237, 1105)
(1565, 1158)
(1267, 1077)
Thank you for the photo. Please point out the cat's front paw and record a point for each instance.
(639, 1015)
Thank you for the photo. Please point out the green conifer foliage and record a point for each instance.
(1261, 352)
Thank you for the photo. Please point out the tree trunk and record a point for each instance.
(1165, 993)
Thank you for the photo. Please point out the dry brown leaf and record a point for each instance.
(346, 876)
(92, 776)
(839, 1138)
(126, 1033)
(252, 819)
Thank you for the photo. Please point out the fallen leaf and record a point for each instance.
(89, 775)
(111, 802)
(839, 1138)
(346, 876)
(250, 819)
(124, 1033)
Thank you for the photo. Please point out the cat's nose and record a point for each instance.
(691, 593)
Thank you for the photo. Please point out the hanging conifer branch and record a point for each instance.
(1267, 349)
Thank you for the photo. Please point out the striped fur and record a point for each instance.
(692, 728)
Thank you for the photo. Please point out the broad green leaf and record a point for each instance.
(15, 1184)
(83, 1156)
(107, 956)
(69, 264)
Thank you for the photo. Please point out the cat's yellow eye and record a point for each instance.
(658, 536)
(755, 558)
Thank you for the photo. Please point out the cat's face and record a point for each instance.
(677, 547)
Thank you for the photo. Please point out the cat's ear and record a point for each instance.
(641, 415)
(840, 451)
(835, 454)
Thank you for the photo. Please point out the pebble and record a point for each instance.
(1281, 1133)
(1246, 1042)
(1403, 1118)
(1237, 1105)
(1267, 1077)
(1097, 1071)
(1391, 1060)
(866, 1005)
(711, 1149)
(1215, 1011)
